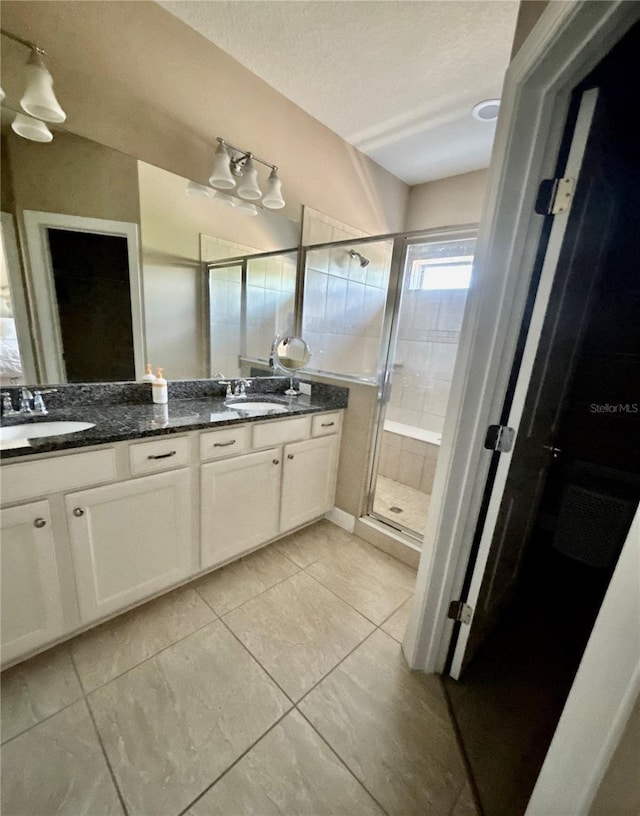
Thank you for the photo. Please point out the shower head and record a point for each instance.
(363, 261)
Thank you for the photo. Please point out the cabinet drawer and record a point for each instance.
(226, 442)
(278, 432)
(162, 454)
(325, 424)
(30, 479)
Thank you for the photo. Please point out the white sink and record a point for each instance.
(33, 430)
(258, 407)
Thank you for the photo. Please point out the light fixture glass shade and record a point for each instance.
(221, 177)
(195, 189)
(39, 99)
(223, 198)
(32, 129)
(246, 208)
(248, 187)
(273, 197)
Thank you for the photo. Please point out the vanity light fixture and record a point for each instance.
(38, 100)
(233, 162)
(273, 197)
(248, 185)
(221, 177)
(30, 128)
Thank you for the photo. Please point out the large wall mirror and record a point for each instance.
(108, 263)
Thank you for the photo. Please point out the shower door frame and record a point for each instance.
(388, 343)
(243, 262)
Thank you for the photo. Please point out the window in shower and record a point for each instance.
(424, 342)
(345, 293)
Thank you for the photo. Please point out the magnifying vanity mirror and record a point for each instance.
(290, 354)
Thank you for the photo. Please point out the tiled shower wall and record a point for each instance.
(428, 337)
(344, 307)
(270, 300)
(271, 287)
(225, 291)
(343, 301)
(408, 461)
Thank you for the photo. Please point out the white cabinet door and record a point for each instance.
(240, 504)
(31, 602)
(308, 480)
(130, 540)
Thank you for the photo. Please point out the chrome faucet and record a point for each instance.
(241, 388)
(38, 403)
(7, 406)
(25, 401)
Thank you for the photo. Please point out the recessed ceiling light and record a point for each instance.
(486, 111)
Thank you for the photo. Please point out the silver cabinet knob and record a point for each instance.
(78, 512)
(289, 456)
(39, 523)
(276, 461)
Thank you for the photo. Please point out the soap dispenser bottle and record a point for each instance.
(148, 376)
(159, 389)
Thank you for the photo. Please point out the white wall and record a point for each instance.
(177, 232)
(133, 77)
(446, 202)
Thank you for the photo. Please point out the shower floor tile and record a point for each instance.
(412, 504)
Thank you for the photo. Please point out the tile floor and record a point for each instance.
(273, 686)
(413, 504)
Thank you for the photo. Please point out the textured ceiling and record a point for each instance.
(395, 79)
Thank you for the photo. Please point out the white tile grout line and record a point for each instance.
(253, 597)
(100, 742)
(342, 761)
(294, 704)
(85, 693)
(235, 762)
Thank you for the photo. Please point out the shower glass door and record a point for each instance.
(425, 332)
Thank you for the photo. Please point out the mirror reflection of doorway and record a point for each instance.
(426, 331)
(85, 297)
(91, 279)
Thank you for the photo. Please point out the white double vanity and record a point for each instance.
(89, 532)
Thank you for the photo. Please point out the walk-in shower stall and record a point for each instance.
(389, 312)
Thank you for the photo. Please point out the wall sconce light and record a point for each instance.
(232, 162)
(30, 128)
(38, 99)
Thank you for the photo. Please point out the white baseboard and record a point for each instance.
(341, 519)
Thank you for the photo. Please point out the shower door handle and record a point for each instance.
(386, 386)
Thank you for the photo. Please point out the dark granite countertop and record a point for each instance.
(129, 421)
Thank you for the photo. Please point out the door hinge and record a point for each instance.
(460, 611)
(499, 438)
(554, 196)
